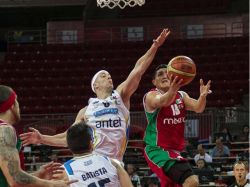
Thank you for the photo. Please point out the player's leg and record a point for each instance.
(181, 173)
(156, 159)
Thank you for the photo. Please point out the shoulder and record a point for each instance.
(152, 94)
(183, 94)
(7, 136)
(116, 163)
(197, 155)
(81, 115)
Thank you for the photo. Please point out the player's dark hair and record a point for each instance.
(203, 160)
(159, 67)
(5, 92)
(79, 137)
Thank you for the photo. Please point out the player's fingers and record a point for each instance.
(180, 81)
(71, 182)
(209, 83)
(167, 32)
(25, 135)
(56, 164)
(23, 138)
(201, 82)
(25, 141)
(25, 144)
(57, 172)
(33, 129)
(47, 166)
(175, 79)
(57, 168)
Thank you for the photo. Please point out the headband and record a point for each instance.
(8, 103)
(94, 78)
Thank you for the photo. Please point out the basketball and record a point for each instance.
(183, 67)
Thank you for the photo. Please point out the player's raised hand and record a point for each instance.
(175, 83)
(32, 137)
(162, 37)
(205, 89)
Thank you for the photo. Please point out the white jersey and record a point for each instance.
(109, 118)
(92, 171)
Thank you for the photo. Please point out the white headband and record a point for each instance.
(94, 78)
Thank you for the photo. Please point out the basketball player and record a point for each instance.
(108, 113)
(165, 108)
(10, 172)
(88, 168)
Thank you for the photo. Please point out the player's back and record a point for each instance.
(92, 171)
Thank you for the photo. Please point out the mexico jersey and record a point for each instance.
(166, 125)
(92, 171)
(109, 119)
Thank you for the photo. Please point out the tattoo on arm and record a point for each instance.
(9, 155)
(19, 176)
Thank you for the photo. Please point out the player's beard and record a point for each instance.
(16, 115)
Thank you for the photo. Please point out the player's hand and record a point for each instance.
(47, 171)
(175, 84)
(205, 89)
(32, 137)
(61, 183)
(162, 37)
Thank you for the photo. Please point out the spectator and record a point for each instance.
(220, 150)
(244, 136)
(201, 163)
(226, 135)
(202, 155)
(204, 173)
(135, 179)
(189, 150)
(240, 172)
(153, 182)
(244, 156)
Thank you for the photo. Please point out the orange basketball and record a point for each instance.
(183, 67)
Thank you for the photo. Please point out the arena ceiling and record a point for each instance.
(40, 3)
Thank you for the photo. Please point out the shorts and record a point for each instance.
(157, 158)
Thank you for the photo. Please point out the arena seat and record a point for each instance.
(62, 73)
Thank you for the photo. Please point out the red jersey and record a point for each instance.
(166, 125)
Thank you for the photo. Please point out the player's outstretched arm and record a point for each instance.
(35, 137)
(198, 105)
(129, 86)
(122, 174)
(10, 164)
